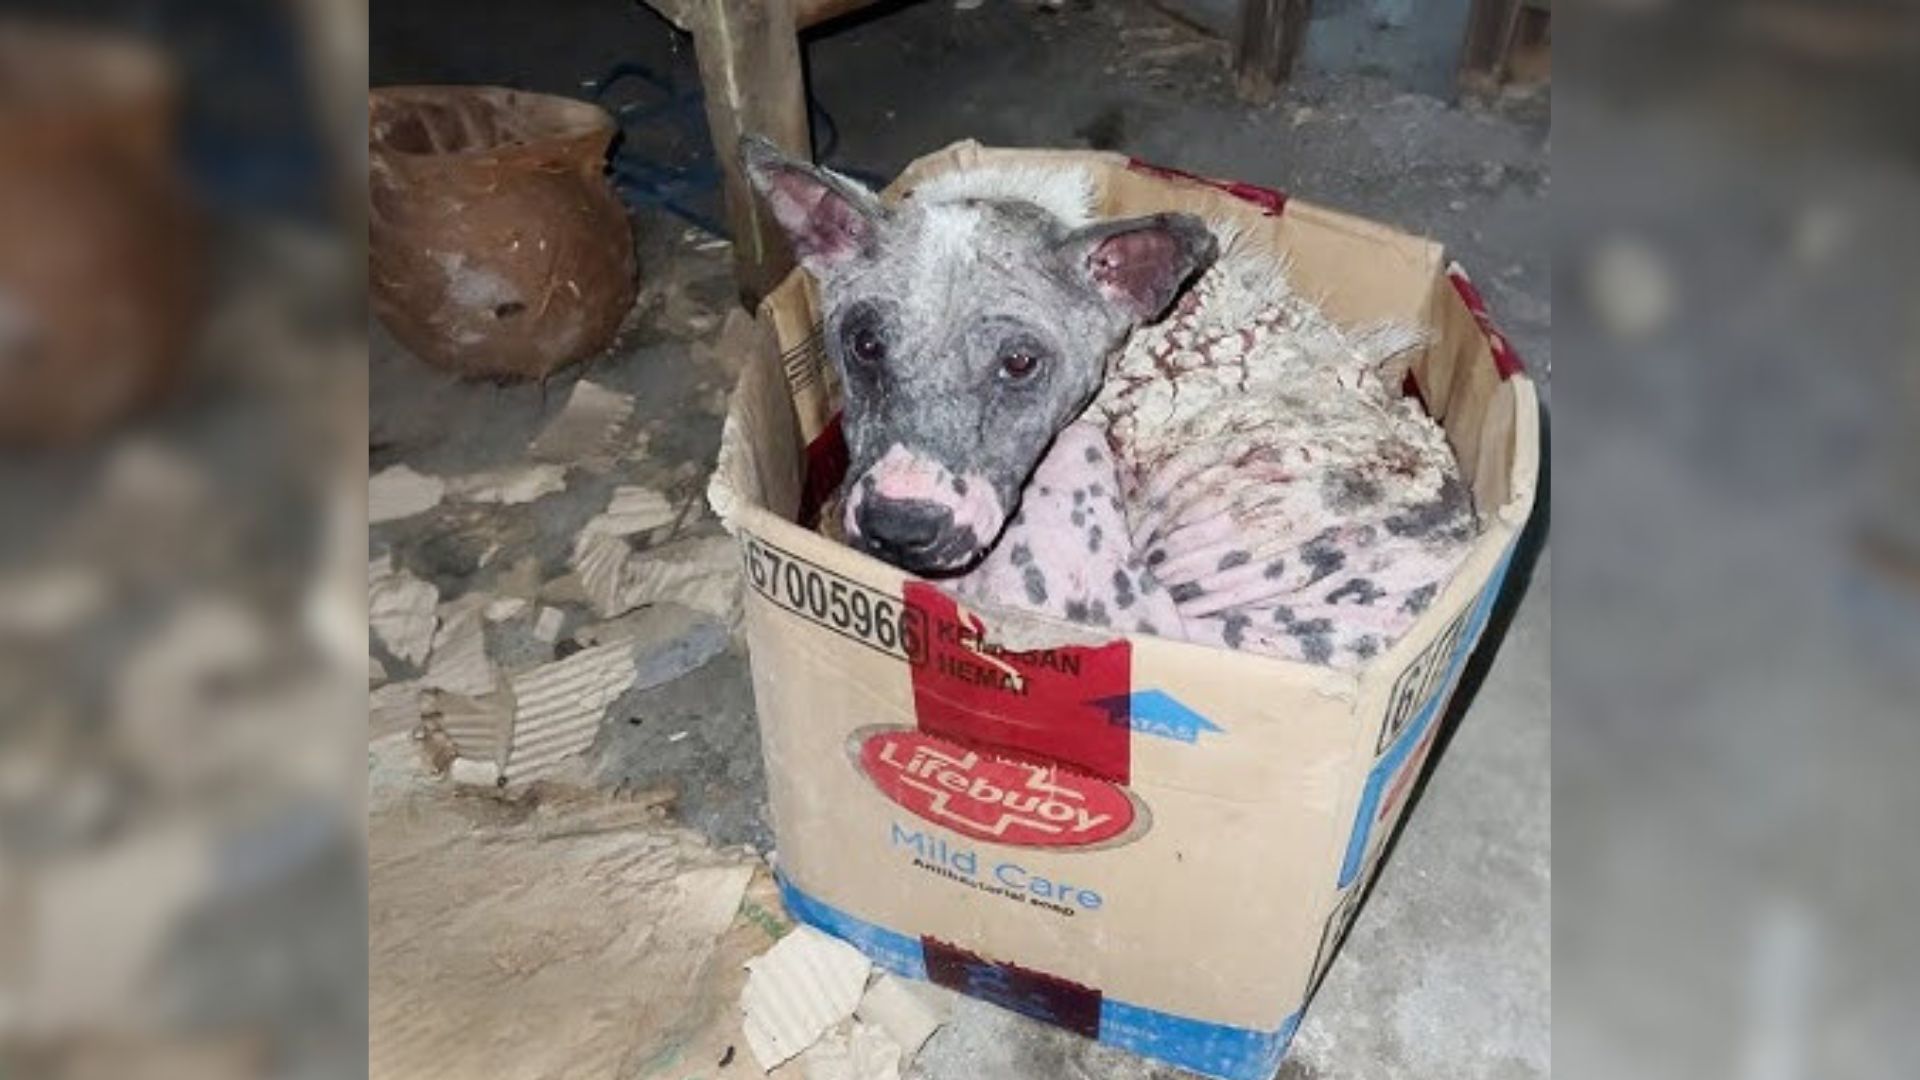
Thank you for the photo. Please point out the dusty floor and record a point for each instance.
(1445, 974)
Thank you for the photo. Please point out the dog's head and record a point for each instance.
(967, 333)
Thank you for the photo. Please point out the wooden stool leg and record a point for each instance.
(749, 53)
(1269, 39)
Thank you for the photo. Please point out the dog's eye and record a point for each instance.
(1019, 363)
(867, 346)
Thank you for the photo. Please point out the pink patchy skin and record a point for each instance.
(1051, 563)
(903, 475)
(1079, 551)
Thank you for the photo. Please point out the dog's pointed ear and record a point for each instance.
(829, 218)
(1139, 264)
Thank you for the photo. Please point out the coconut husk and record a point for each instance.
(496, 246)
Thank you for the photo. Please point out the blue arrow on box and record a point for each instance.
(1156, 712)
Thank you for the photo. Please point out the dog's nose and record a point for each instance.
(903, 527)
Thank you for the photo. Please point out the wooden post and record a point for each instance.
(749, 52)
(1270, 35)
(1483, 56)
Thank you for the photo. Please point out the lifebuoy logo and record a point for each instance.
(986, 797)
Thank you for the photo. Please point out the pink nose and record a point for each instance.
(901, 477)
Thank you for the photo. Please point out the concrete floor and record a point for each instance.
(1446, 971)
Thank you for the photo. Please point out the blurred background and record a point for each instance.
(182, 612)
(1738, 464)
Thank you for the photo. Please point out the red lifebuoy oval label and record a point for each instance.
(980, 795)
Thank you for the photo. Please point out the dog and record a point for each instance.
(968, 333)
(1113, 423)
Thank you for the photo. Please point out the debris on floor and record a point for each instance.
(587, 431)
(541, 728)
(909, 1012)
(802, 1019)
(509, 486)
(460, 663)
(401, 610)
(476, 729)
(852, 1051)
(505, 608)
(578, 937)
(393, 707)
(399, 492)
(797, 991)
(633, 511)
(701, 573)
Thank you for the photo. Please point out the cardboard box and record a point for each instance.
(1152, 843)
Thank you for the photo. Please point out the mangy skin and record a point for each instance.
(1067, 553)
(948, 290)
(1251, 483)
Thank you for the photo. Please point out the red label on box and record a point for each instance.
(1505, 360)
(1047, 998)
(1045, 704)
(987, 797)
(1269, 201)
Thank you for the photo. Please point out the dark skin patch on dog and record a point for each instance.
(1147, 627)
(1079, 496)
(1363, 591)
(1021, 555)
(1315, 637)
(1283, 615)
(1094, 536)
(1036, 584)
(1236, 630)
(1079, 519)
(1367, 647)
(1156, 556)
(1349, 491)
(1448, 515)
(959, 486)
(1093, 456)
(1122, 589)
(1186, 591)
(1276, 568)
(1234, 558)
(1322, 557)
(1076, 611)
(1097, 614)
(1419, 599)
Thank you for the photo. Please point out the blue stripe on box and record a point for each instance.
(1390, 762)
(896, 952)
(1219, 1050)
(1213, 1049)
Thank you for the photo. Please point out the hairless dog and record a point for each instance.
(1039, 411)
